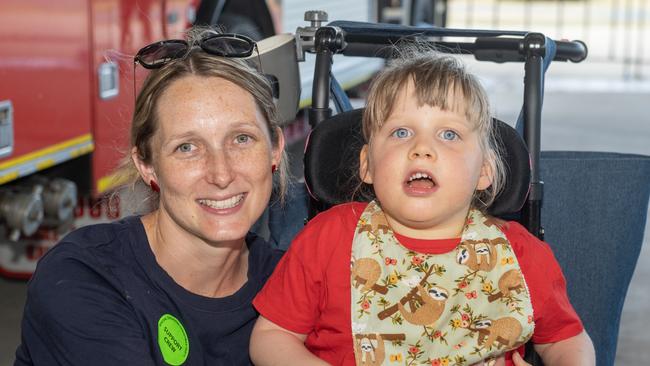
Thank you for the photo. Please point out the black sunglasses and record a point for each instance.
(158, 54)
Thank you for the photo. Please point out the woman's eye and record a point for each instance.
(185, 147)
(401, 133)
(449, 135)
(243, 139)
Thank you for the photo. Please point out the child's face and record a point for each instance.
(425, 164)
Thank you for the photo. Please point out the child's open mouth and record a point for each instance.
(420, 183)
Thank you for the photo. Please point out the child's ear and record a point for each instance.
(364, 166)
(486, 176)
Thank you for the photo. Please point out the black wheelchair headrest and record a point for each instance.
(332, 161)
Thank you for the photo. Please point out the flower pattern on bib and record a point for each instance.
(455, 308)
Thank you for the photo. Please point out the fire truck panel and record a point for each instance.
(44, 68)
(120, 29)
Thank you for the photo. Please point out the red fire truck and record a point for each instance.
(67, 82)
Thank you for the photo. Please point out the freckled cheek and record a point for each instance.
(181, 173)
(256, 163)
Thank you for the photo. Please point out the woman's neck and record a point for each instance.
(206, 269)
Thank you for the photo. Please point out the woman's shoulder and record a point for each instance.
(77, 298)
(92, 236)
(87, 260)
(89, 249)
(263, 257)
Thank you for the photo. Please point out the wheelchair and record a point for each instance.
(595, 229)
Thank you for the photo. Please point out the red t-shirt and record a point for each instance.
(309, 292)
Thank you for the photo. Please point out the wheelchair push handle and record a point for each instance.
(574, 51)
(507, 49)
(375, 40)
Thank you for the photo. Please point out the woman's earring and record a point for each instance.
(273, 168)
(154, 186)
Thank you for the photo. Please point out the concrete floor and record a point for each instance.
(12, 300)
(633, 338)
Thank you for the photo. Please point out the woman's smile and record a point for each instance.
(224, 204)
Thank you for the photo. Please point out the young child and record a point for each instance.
(421, 275)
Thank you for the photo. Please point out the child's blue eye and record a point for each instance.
(401, 133)
(449, 135)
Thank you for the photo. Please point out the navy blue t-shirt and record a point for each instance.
(97, 297)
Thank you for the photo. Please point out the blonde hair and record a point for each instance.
(439, 81)
(196, 62)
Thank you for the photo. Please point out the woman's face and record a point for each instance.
(212, 158)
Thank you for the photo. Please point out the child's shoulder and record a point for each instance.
(336, 224)
(515, 230)
(524, 243)
(345, 213)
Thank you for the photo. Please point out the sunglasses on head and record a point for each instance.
(160, 53)
(156, 55)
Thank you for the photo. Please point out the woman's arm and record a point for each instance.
(74, 317)
(575, 351)
(273, 345)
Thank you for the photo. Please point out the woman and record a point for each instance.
(173, 286)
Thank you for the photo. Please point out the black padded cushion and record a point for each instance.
(332, 162)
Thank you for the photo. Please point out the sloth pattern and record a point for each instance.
(504, 332)
(366, 271)
(431, 307)
(509, 281)
(377, 224)
(478, 255)
(367, 352)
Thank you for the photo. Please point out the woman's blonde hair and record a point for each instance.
(199, 63)
(439, 81)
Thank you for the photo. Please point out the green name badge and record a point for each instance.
(172, 340)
